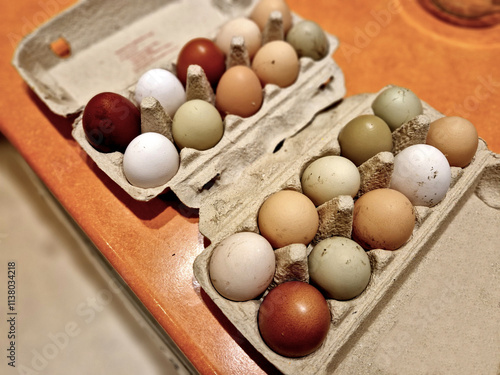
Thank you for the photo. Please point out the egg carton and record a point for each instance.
(235, 209)
(122, 41)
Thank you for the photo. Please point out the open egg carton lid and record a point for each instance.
(235, 209)
(112, 44)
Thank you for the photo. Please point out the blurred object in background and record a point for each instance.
(74, 314)
(469, 13)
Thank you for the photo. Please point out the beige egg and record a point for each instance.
(276, 63)
(288, 217)
(243, 27)
(456, 138)
(260, 13)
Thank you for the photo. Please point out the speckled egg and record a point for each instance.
(340, 267)
(329, 177)
(422, 173)
(397, 105)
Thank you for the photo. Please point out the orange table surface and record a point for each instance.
(153, 245)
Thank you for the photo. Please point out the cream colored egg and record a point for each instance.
(329, 177)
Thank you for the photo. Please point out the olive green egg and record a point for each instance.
(308, 39)
(363, 137)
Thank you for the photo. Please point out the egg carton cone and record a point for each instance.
(235, 209)
(66, 67)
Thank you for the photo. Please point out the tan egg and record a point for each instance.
(456, 138)
(243, 27)
(288, 217)
(260, 14)
(239, 92)
(383, 219)
(277, 63)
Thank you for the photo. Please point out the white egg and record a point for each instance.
(150, 160)
(329, 177)
(422, 173)
(242, 266)
(340, 267)
(162, 85)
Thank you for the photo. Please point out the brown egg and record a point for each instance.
(288, 217)
(294, 319)
(239, 92)
(455, 137)
(110, 122)
(383, 219)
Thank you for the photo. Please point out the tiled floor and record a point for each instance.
(72, 315)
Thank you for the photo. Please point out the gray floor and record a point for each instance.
(72, 315)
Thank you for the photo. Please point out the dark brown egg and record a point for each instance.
(294, 319)
(110, 122)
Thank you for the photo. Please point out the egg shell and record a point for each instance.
(110, 122)
(197, 124)
(339, 267)
(456, 137)
(308, 39)
(364, 137)
(242, 266)
(422, 173)
(276, 63)
(383, 219)
(162, 85)
(239, 92)
(263, 9)
(239, 27)
(397, 105)
(150, 160)
(288, 217)
(294, 319)
(204, 53)
(329, 177)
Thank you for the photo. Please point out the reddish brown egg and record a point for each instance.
(111, 122)
(294, 319)
(205, 53)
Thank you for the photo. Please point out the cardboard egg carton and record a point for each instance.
(235, 209)
(121, 42)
